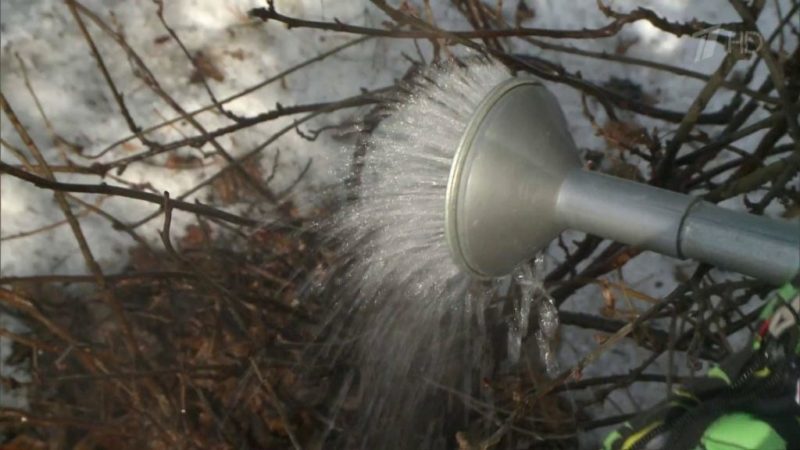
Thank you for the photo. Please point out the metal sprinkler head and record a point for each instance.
(503, 185)
(517, 181)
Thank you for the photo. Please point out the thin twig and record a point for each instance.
(105, 189)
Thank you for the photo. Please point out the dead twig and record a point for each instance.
(105, 189)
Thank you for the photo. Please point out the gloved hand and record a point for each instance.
(751, 401)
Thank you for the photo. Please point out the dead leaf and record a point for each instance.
(194, 237)
(179, 162)
(407, 8)
(630, 90)
(523, 13)
(24, 442)
(231, 187)
(205, 67)
(238, 54)
(624, 44)
(626, 170)
(624, 135)
(792, 211)
(142, 260)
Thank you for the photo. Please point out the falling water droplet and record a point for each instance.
(408, 308)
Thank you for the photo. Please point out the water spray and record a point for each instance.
(472, 173)
(516, 182)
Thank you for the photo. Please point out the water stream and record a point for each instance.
(419, 324)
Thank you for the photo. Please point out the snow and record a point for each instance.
(81, 109)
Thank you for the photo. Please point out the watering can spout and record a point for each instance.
(516, 182)
(679, 225)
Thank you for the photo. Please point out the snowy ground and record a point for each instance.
(43, 35)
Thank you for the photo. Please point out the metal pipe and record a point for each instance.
(679, 225)
(754, 245)
(622, 210)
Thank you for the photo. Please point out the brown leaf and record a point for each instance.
(276, 243)
(142, 260)
(178, 162)
(523, 13)
(624, 135)
(239, 350)
(624, 44)
(630, 90)
(407, 8)
(24, 442)
(792, 211)
(231, 187)
(194, 237)
(625, 170)
(276, 425)
(205, 67)
(238, 54)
